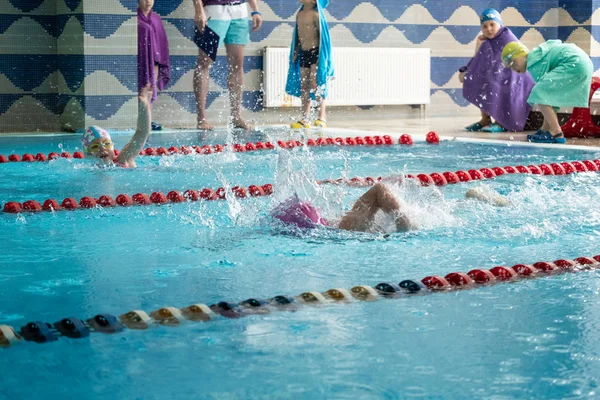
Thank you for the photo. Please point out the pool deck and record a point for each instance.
(444, 126)
(383, 121)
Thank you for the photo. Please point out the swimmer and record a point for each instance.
(97, 142)
(361, 218)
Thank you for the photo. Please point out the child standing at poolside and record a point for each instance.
(154, 65)
(310, 61)
(563, 74)
(498, 92)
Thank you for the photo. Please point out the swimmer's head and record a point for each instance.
(491, 22)
(301, 214)
(98, 143)
(514, 56)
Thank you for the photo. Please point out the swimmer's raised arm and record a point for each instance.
(131, 150)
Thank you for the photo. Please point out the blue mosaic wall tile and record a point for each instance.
(26, 5)
(28, 71)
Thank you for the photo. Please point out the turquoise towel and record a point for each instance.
(324, 66)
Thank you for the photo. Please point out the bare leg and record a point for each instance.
(322, 110)
(320, 100)
(235, 80)
(155, 75)
(305, 79)
(201, 80)
(551, 120)
(485, 119)
(362, 215)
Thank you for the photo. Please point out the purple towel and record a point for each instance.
(153, 49)
(496, 90)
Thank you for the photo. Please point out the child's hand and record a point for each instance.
(481, 38)
(256, 22)
(200, 20)
(461, 77)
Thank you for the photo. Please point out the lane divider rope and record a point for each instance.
(138, 199)
(434, 178)
(460, 176)
(72, 327)
(384, 140)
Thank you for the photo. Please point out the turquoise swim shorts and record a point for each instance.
(231, 31)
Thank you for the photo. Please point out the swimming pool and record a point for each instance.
(533, 338)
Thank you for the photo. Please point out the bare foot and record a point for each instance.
(241, 124)
(204, 126)
(485, 121)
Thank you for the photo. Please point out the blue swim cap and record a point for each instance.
(490, 14)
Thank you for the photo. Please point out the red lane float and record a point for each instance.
(51, 205)
(69, 203)
(405, 139)
(32, 206)
(463, 176)
(438, 179)
(481, 276)
(435, 282)
(87, 202)
(499, 171)
(451, 177)
(459, 279)
(106, 201)
(12, 207)
(432, 138)
(503, 273)
(525, 269)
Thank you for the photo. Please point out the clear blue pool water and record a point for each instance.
(531, 339)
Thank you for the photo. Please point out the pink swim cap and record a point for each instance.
(298, 213)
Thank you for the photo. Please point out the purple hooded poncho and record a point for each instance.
(496, 90)
(153, 49)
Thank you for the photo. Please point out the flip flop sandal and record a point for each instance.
(300, 125)
(545, 137)
(493, 128)
(475, 127)
(319, 123)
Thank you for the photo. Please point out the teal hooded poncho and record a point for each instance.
(325, 72)
(562, 73)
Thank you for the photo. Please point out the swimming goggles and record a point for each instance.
(107, 144)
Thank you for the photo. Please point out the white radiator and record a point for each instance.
(363, 76)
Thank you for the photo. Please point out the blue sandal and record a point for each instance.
(493, 128)
(475, 127)
(545, 137)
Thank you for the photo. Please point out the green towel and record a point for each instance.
(563, 75)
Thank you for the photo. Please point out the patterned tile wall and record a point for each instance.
(65, 64)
